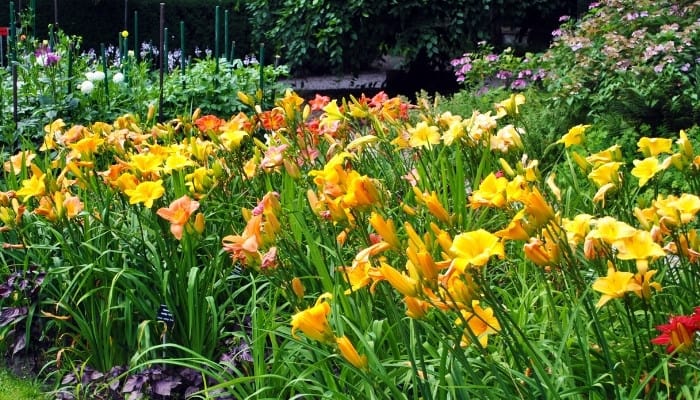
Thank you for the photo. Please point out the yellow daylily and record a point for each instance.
(475, 248)
(574, 136)
(423, 135)
(510, 105)
(646, 169)
(614, 285)
(480, 324)
(605, 173)
(652, 147)
(313, 321)
(146, 193)
(491, 192)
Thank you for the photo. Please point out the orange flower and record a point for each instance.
(403, 283)
(348, 351)
(209, 123)
(178, 213)
(18, 161)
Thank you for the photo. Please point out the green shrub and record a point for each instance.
(639, 60)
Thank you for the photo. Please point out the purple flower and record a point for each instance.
(492, 58)
(465, 68)
(518, 84)
(556, 33)
(564, 18)
(593, 5)
(658, 68)
(45, 57)
(524, 74)
(685, 67)
(503, 75)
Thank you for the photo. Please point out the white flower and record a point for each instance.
(86, 87)
(118, 78)
(95, 76)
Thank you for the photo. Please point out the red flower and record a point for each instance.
(679, 333)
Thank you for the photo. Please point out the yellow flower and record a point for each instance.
(480, 324)
(176, 162)
(231, 138)
(146, 193)
(517, 229)
(538, 208)
(599, 196)
(348, 351)
(87, 146)
(652, 147)
(491, 193)
(146, 163)
(677, 211)
(423, 135)
(313, 322)
(574, 136)
(612, 153)
(455, 131)
(645, 169)
(643, 279)
(331, 115)
(433, 204)
(577, 229)
(52, 130)
(614, 285)
(605, 173)
(125, 34)
(640, 247)
(509, 106)
(475, 248)
(34, 186)
(686, 147)
(362, 191)
(610, 230)
(290, 103)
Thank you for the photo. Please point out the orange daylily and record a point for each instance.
(178, 213)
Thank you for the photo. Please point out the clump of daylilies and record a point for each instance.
(408, 211)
